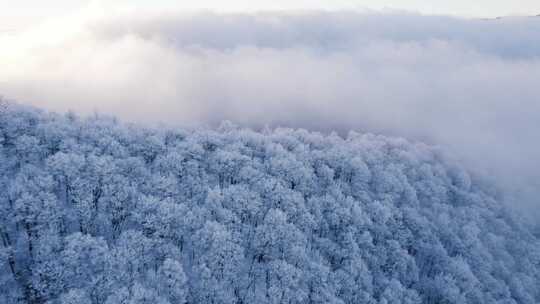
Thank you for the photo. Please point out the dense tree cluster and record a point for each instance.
(96, 211)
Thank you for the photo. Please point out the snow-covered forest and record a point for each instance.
(94, 211)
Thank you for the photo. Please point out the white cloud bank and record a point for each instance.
(470, 85)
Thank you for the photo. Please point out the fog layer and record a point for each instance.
(471, 86)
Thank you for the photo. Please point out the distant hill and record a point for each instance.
(96, 211)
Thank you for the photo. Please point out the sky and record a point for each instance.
(468, 85)
(28, 11)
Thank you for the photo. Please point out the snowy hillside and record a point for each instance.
(97, 211)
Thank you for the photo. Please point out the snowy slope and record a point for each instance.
(96, 211)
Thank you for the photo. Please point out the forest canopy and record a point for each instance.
(93, 210)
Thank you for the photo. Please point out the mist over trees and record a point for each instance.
(465, 83)
(96, 211)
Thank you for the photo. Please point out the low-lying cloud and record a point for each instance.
(472, 86)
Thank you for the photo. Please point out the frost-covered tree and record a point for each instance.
(95, 211)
